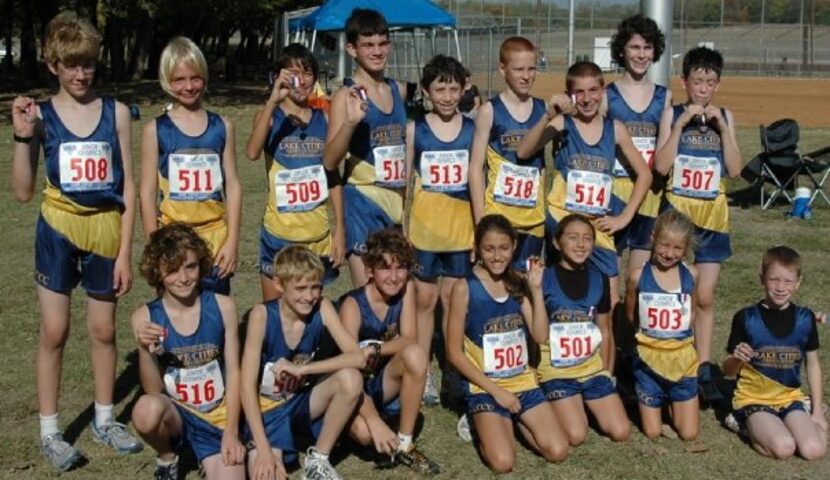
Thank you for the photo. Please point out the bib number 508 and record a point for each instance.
(88, 169)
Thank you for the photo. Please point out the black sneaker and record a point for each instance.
(169, 471)
(706, 385)
(417, 461)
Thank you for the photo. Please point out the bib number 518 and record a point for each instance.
(519, 188)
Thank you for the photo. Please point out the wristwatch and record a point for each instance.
(19, 139)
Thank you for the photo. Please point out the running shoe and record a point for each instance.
(116, 435)
(464, 429)
(417, 461)
(168, 471)
(430, 397)
(318, 467)
(58, 452)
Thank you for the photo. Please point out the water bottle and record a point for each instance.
(801, 204)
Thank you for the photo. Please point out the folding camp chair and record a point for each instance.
(817, 167)
(780, 164)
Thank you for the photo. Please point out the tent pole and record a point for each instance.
(432, 40)
(313, 39)
(457, 46)
(417, 52)
(341, 59)
(489, 61)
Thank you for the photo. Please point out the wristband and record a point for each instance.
(333, 178)
(19, 139)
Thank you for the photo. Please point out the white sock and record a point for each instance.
(405, 442)
(48, 425)
(163, 463)
(318, 454)
(103, 414)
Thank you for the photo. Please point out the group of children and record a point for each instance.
(441, 208)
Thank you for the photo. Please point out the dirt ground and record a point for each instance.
(749, 98)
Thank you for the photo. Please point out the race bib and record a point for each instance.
(665, 315)
(646, 146)
(194, 177)
(505, 353)
(200, 387)
(588, 192)
(445, 171)
(278, 389)
(85, 166)
(696, 177)
(390, 166)
(517, 185)
(573, 343)
(300, 189)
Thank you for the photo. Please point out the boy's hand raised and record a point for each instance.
(281, 88)
(356, 106)
(23, 116)
(148, 336)
(535, 272)
(560, 103)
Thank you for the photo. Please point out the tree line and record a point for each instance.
(135, 31)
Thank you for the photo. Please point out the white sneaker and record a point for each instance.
(317, 467)
(430, 397)
(463, 429)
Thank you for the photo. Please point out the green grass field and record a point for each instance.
(728, 457)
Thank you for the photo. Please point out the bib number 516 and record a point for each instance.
(197, 393)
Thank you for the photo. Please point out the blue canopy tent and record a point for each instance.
(401, 15)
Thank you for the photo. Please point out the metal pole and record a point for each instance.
(661, 12)
(571, 23)
(761, 40)
(538, 21)
(341, 59)
(720, 46)
(489, 59)
(803, 65)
